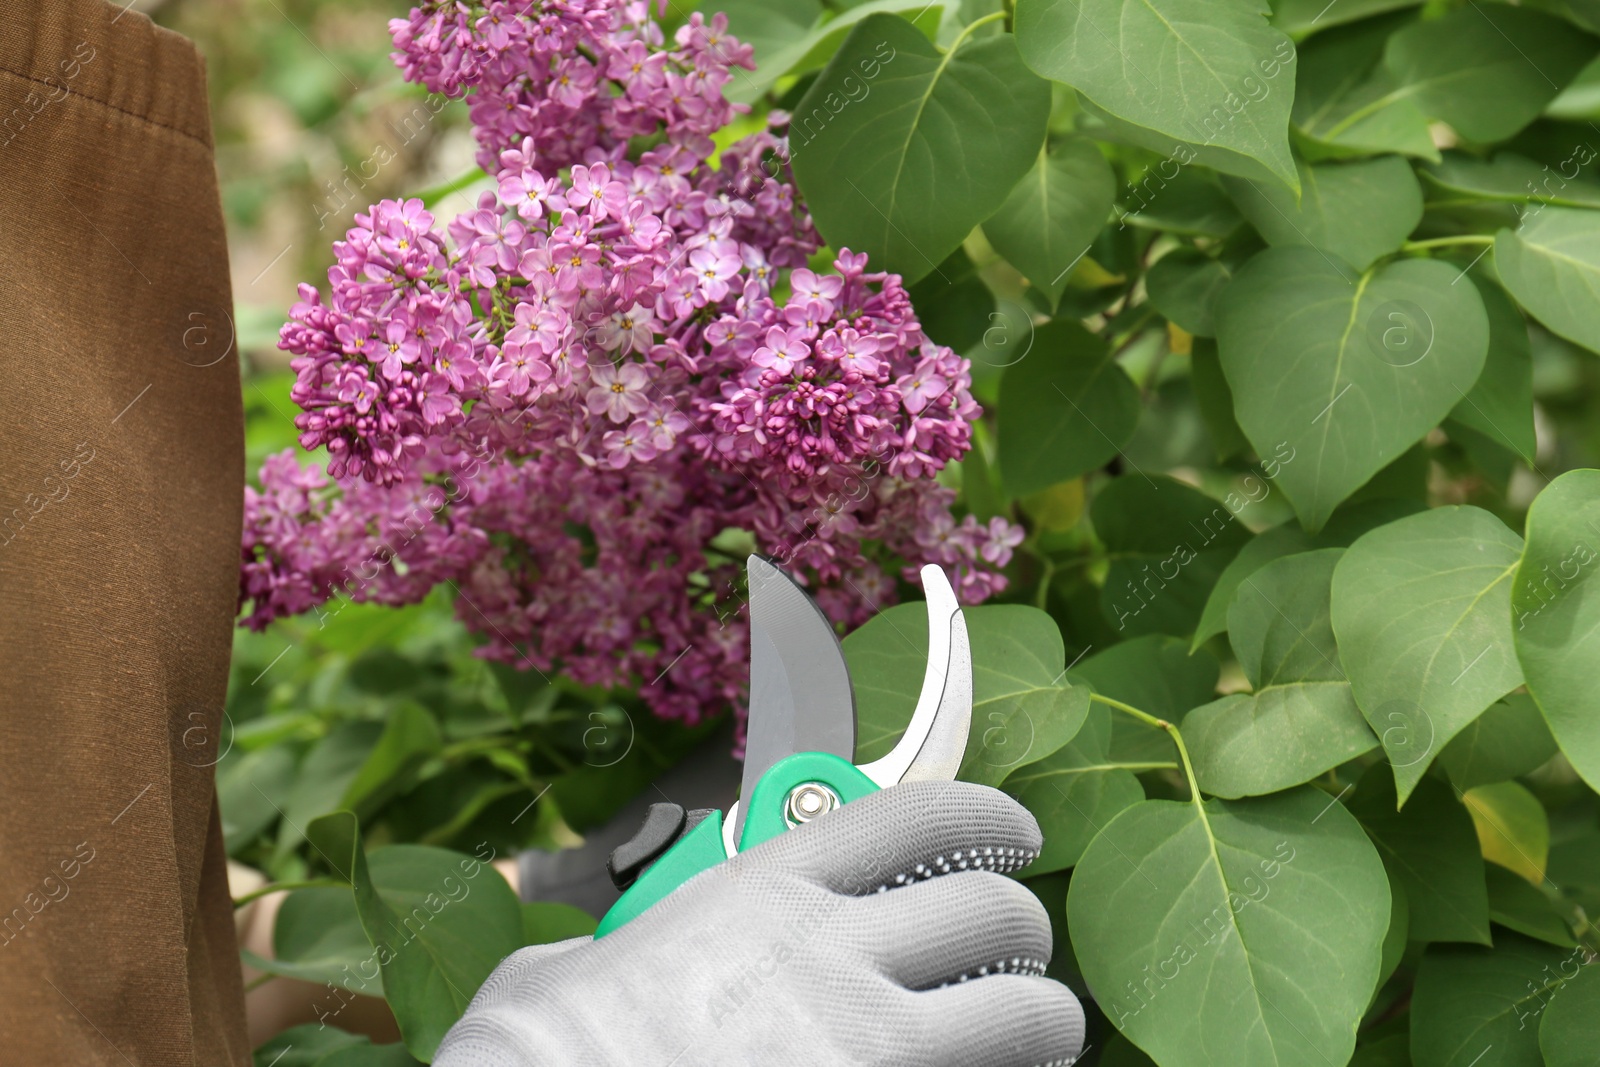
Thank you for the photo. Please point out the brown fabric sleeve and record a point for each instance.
(121, 474)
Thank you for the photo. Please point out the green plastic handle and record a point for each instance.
(701, 848)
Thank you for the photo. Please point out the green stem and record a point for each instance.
(259, 981)
(1448, 242)
(277, 887)
(1041, 599)
(974, 24)
(1160, 724)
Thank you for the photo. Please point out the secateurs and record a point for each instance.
(801, 738)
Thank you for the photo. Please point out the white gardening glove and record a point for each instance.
(790, 954)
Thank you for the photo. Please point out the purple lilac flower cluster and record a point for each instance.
(571, 74)
(557, 402)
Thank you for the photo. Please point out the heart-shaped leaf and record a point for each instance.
(1356, 211)
(1206, 72)
(1555, 602)
(1046, 224)
(1239, 932)
(1348, 103)
(1347, 524)
(1299, 719)
(901, 149)
(439, 922)
(1422, 612)
(1069, 407)
(1431, 847)
(1022, 707)
(1551, 264)
(1480, 1007)
(1347, 371)
(1507, 741)
(1487, 70)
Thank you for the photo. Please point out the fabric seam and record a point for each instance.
(108, 105)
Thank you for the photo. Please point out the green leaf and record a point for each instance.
(1347, 103)
(1356, 211)
(1570, 1031)
(1394, 942)
(1307, 16)
(1022, 710)
(410, 737)
(1168, 542)
(1487, 69)
(325, 774)
(1500, 403)
(320, 1045)
(1299, 718)
(438, 921)
(1238, 932)
(1183, 200)
(546, 922)
(1215, 399)
(1067, 408)
(317, 937)
(1479, 1007)
(1513, 830)
(1047, 223)
(1516, 905)
(1575, 864)
(901, 150)
(1551, 264)
(1556, 604)
(1076, 790)
(248, 786)
(1421, 609)
(1155, 674)
(1347, 372)
(1506, 741)
(1102, 125)
(789, 37)
(1511, 178)
(1206, 72)
(1432, 849)
(1183, 285)
(953, 305)
(1347, 524)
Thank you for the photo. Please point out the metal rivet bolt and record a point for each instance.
(807, 801)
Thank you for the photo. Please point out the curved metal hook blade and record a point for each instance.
(936, 737)
(801, 699)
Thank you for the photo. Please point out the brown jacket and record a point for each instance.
(121, 473)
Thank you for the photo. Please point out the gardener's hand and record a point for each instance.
(789, 954)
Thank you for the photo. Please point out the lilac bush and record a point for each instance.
(556, 401)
